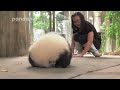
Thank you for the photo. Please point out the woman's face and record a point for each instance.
(76, 21)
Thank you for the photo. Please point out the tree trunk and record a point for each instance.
(14, 33)
(50, 19)
(97, 20)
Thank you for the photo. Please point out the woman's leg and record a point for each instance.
(82, 39)
(95, 51)
(78, 47)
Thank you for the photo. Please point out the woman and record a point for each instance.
(85, 33)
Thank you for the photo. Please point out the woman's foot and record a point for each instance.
(96, 53)
(77, 55)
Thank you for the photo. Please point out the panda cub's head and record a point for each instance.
(50, 48)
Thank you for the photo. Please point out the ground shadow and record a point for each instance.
(103, 57)
(52, 69)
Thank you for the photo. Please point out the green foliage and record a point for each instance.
(41, 20)
(60, 17)
(113, 31)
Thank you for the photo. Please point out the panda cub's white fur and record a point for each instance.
(48, 48)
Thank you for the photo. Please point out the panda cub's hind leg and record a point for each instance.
(32, 62)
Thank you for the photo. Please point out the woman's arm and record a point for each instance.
(89, 43)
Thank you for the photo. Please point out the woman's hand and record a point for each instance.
(77, 55)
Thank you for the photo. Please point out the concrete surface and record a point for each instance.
(88, 67)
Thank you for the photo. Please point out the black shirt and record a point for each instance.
(86, 28)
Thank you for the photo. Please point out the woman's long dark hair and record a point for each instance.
(82, 20)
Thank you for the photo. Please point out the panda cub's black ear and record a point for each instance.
(64, 60)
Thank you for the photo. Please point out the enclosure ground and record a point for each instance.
(88, 67)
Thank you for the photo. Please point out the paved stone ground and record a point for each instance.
(88, 67)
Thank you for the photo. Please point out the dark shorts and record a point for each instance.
(82, 39)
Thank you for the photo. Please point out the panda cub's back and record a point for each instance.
(50, 45)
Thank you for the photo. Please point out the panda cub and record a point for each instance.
(50, 49)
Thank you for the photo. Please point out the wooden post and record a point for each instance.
(54, 21)
(14, 33)
(31, 26)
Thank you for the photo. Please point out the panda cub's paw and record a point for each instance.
(60, 66)
(46, 66)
